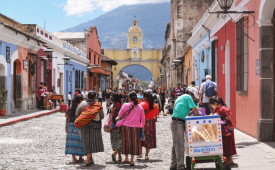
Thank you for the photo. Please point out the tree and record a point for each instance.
(144, 84)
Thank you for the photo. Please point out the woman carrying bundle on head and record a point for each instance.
(89, 121)
(131, 120)
(151, 111)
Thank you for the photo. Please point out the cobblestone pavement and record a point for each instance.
(39, 144)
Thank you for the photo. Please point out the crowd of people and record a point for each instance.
(131, 121)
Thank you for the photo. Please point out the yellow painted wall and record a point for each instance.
(150, 59)
(188, 67)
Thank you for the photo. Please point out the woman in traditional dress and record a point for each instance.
(228, 139)
(73, 140)
(151, 111)
(91, 133)
(115, 134)
(131, 121)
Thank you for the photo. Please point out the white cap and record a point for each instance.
(208, 77)
(150, 87)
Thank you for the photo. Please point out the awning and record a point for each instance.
(100, 70)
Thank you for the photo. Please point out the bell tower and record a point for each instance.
(134, 36)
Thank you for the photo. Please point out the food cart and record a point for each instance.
(51, 99)
(203, 141)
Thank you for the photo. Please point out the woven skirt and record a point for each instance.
(115, 139)
(150, 134)
(73, 141)
(131, 143)
(229, 147)
(92, 137)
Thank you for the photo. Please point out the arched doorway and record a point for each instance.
(17, 83)
(141, 73)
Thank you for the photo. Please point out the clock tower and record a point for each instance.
(134, 36)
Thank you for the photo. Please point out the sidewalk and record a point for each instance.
(252, 154)
(13, 118)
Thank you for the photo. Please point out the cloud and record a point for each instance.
(80, 7)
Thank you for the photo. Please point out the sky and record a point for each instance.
(57, 15)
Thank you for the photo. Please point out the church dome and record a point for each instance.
(134, 27)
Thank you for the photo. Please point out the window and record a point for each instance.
(242, 53)
(8, 54)
(94, 59)
(90, 57)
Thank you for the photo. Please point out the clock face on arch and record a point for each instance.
(134, 39)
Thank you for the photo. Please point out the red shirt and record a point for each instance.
(150, 114)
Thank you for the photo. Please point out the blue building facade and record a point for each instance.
(75, 77)
(6, 52)
(203, 59)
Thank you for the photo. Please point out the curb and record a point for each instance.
(28, 118)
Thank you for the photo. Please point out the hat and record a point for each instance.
(193, 90)
(208, 77)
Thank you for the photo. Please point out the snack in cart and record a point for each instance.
(204, 133)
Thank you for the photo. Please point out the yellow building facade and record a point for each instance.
(188, 63)
(135, 54)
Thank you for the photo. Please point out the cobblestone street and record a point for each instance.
(39, 144)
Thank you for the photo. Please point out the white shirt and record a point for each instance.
(202, 91)
(85, 94)
(69, 97)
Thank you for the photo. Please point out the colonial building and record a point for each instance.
(18, 56)
(242, 62)
(97, 75)
(107, 63)
(135, 54)
(184, 15)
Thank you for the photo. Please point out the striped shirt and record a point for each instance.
(179, 92)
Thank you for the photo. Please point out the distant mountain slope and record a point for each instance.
(113, 26)
(139, 72)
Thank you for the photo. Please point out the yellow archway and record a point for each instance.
(149, 58)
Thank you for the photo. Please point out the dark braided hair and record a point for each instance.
(133, 97)
(217, 100)
(75, 102)
(92, 95)
(117, 97)
(150, 99)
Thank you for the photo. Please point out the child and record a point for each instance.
(170, 108)
(228, 140)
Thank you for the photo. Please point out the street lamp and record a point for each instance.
(66, 59)
(48, 51)
(225, 4)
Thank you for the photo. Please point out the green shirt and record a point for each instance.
(183, 105)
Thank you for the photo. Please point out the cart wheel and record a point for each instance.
(217, 164)
(188, 162)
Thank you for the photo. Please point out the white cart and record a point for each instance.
(203, 141)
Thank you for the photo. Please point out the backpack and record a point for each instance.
(210, 89)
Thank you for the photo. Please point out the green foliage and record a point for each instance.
(144, 84)
(3, 98)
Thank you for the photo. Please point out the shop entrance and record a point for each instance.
(17, 83)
